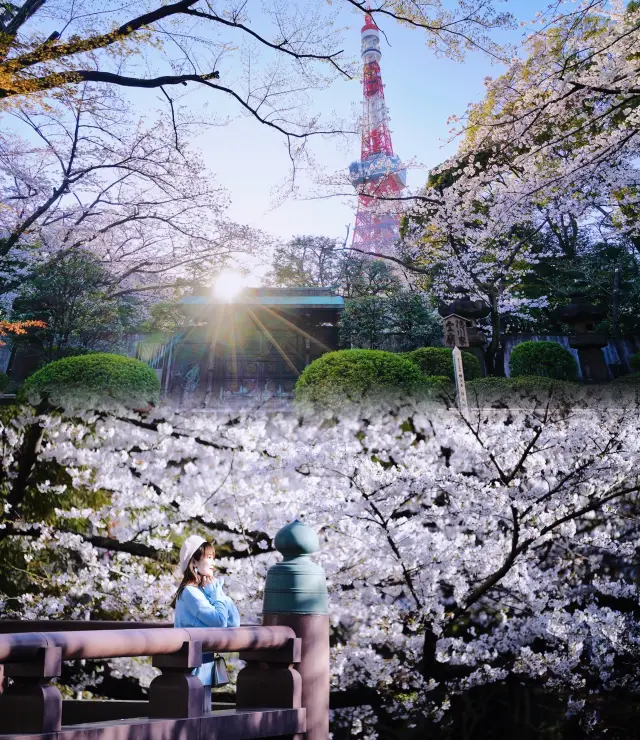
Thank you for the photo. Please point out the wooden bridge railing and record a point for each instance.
(268, 694)
(73, 625)
(283, 690)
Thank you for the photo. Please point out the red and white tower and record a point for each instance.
(378, 176)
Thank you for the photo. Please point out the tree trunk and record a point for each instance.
(429, 645)
(26, 458)
(615, 303)
(615, 317)
(493, 354)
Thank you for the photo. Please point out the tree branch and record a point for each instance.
(278, 47)
(51, 52)
(56, 79)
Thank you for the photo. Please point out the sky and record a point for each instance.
(421, 91)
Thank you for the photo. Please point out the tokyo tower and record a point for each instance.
(378, 174)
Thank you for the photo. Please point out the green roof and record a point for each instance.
(325, 301)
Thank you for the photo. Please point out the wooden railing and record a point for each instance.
(74, 625)
(268, 693)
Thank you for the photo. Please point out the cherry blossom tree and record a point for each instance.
(559, 129)
(458, 552)
(553, 146)
(84, 173)
(556, 135)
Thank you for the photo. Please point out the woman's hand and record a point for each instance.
(206, 580)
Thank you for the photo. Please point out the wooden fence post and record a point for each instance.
(31, 705)
(295, 596)
(269, 678)
(177, 692)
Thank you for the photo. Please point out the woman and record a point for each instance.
(201, 602)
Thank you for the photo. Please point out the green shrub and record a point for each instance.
(624, 391)
(438, 361)
(521, 382)
(513, 391)
(4, 382)
(64, 353)
(545, 359)
(95, 380)
(438, 383)
(634, 362)
(631, 379)
(356, 375)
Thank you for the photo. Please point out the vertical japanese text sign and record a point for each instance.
(455, 331)
(461, 391)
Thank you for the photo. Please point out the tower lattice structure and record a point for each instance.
(378, 176)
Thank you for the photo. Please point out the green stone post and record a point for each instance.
(295, 595)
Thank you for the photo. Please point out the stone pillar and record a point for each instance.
(295, 595)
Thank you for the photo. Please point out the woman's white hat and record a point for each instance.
(189, 546)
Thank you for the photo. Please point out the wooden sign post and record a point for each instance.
(455, 331)
(461, 391)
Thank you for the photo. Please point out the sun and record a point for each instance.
(228, 284)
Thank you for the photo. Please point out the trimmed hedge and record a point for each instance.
(631, 379)
(94, 379)
(544, 359)
(4, 382)
(522, 388)
(438, 361)
(536, 391)
(533, 382)
(358, 374)
(438, 384)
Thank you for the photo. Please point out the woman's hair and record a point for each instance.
(191, 577)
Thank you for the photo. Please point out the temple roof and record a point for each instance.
(289, 297)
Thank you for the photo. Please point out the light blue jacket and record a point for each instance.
(205, 607)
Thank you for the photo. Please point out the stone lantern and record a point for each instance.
(460, 328)
(583, 316)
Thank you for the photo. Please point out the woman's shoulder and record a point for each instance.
(200, 592)
(190, 592)
(194, 590)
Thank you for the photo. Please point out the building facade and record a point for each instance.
(245, 352)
